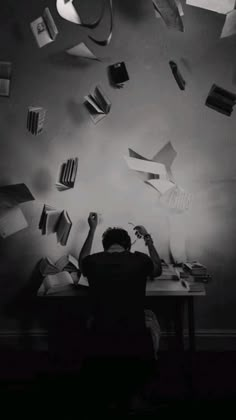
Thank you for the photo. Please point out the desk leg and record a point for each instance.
(179, 308)
(191, 325)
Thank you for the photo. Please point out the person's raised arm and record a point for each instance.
(141, 232)
(86, 249)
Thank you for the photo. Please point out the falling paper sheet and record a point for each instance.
(106, 41)
(169, 12)
(180, 9)
(146, 166)
(67, 11)
(11, 222)
(229, 27)
(219, 6)
(11, 195)
(81, 50)
(177, 199)
(161, 185)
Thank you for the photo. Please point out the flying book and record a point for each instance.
(169, 11)
(97, 104)
(12, 221)
(81, 50)
(44, 29)
(221, 100)
(35, 119)
(161, 185)
(229, 27)
(177, 75)
(65, 263)
(177, 199)
(67, 174)
(11, 195)
(5, 78)
(118, 74)
(55, 221)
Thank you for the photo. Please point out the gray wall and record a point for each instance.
(147, 113)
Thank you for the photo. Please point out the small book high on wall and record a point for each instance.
(97, 104)
(44, 29)
(67, 174)
(221, 100)
(5, 78)
(35, 119)
(118, 74)
(55, 221)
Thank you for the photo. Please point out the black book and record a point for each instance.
(118, 74)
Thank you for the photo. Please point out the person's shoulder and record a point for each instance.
(95, 256)
(141, 255)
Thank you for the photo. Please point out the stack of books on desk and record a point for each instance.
(197, 271)
(65, 263)
(168, 272)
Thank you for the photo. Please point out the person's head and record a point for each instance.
(116, 236)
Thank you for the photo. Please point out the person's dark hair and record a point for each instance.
(116, 235)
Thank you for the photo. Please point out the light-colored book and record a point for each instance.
(44, 29)
(98, 104)
(81, 50)
(55, 282)
(11, 221)
(55, 221)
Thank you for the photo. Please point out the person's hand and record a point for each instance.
(93, 220)
(140, 231)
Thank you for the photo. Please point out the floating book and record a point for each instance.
(229, 27)
(97, 104)
(35, 119)
(67, 174)
(55, 221)
(65, 263)
(169, 11)
(177, 75)
(221, 100)
(11, 195)
(118, 74)
(5, 78)
(44, 29)
(81, 50)
(219, 6)
(11, 221)
(177, 199)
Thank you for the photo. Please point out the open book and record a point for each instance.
(54, 283)
(35, 119)
(97, 104)
(12, 220)
(67, 174)
(44, 29)
(5, 78)
(65, 263)
(55, 221)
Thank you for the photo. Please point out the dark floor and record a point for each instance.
(63, 387)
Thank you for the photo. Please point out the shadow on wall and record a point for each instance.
(76, 112)
(42, 181)
(131, 9)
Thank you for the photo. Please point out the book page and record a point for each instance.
(11, 195)
(67, 11)
(219, 6)
(12, 221)
(177, 199)
(57, 280)
(52, 221)
(146, 166)
(161, 185)
(81, 50)
(229, 27)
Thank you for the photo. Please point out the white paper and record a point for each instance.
(43, 37)
(229, 27)
(161, 185)
(67, 11)
(12, 221)
(146, 166)
(81, 50)
(219, 6)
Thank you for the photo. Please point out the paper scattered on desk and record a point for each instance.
(170, 13)
(81, 50)
(12, 221)
(229, 27)
(12, 195)
(107, 40)
(221, 100)
(219, 6)
(44, 29)
(5, 77)
(146, 166)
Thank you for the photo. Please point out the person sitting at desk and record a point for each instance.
(117, 283)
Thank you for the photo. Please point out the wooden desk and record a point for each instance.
(157, 288)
